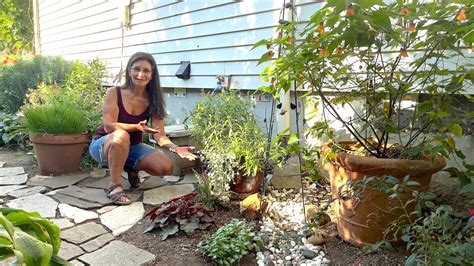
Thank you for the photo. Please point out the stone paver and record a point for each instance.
(69, 251)
(27, 191)
(163, 194)
(118, 253)
(123, 218)
(2, 164)
(40, 203)
(106, 209)
(8, 171)
(77, 263)
(4, 190)
(97, 243)
(105, 182)
(82, 233)
(153, 182)
(78, 215)
(89, 194)
(188, 179)
(13, 179)
(62, 223)
(171, 178)
(75, 201)
(55, 182)
(101, 172)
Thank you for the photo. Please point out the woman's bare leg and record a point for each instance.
(116, 146)
(157, 164)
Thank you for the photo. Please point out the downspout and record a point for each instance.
(36, 26)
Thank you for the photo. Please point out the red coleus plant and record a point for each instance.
(182, 213)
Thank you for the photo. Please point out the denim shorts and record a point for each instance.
(136, 153)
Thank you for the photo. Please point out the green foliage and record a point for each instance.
(204, 191)
(15, 80)
(230, 137)
(31, 238)
(374, 59)
(182, 213)
(16, 25)
(229, 243)
(55, 118)
(82, 88)
(12, 132)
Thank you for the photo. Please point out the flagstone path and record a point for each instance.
(88, 220)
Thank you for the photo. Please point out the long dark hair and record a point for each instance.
(156, 102)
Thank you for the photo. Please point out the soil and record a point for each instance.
(182, 249)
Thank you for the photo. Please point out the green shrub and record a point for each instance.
(15, 80)
(229, 243)
(56, 118)
(12, 132)
(31, 238)
(82, 88)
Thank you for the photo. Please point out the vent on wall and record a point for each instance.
(184, 70)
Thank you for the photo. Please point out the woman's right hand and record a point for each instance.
(141, 126)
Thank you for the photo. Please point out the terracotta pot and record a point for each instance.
(58, 154)
(363, 221)
(246, 185)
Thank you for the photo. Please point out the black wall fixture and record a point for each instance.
(184, 70)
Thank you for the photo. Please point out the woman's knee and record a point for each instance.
(120, 138)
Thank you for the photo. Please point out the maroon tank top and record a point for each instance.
(124, 117)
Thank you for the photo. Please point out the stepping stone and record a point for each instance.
(56, 182)
(2, 164)
(118, 253)
(171, 178)
(80, 203)
(76, 263)
(188, 179)
(97, 243)
(164, 194)
(7, 171)
(101, 172)
(90, 194)
(13, 179)
(82, 233)
(105, 182)
(27, 191)
(289, 182)
(62, 223)
(4, 190)
(153, 182)
(69, 251)
(40, 203)
(78, 215)
(106, 209)
(123, 218)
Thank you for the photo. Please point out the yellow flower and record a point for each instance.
(338, 51)
(321, 28)
(403, 52)
(323, 52)
(411, 27)
(461, 15)
(404, 10)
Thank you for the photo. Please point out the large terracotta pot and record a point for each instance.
(58, 154)
(363, 221)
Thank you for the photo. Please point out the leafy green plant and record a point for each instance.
(229, 243)
(12, 132)
(15, 80)
(182, 213)
(231, 139)
(204, 191)
(400, 69)
(31, 238)
(56, 118)
(16, 25)
(81, 88)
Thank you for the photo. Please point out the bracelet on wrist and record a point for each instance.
(172, 147)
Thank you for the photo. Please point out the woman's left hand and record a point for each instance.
(186, 152)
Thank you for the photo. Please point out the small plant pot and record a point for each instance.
(58, 154)
(362, 221)
(244, 185)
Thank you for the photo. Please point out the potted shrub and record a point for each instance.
(58, 134)
(233, 144)
(392, 77)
